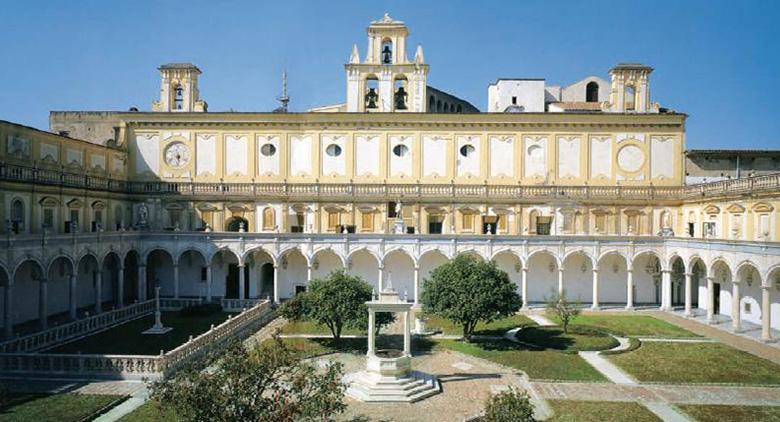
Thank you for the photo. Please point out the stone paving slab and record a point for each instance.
(54, 386)
(607, 368)
(540, 319)
(665, 412)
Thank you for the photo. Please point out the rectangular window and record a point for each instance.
(601, 223)
(503, 223)
(391, 210)
(543, 225)
(334, 221)
(435, 223)
(74, 219)
(367, 222)
(203, 273)
(708, 229)
(514, 100)
(747, 307)
(48, 218)
(489, 224)
(207, 219)
(468, 221)
(633, 224)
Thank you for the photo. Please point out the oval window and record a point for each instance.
(268, 150)
(400, 150)
(333, 150)
(467, 150)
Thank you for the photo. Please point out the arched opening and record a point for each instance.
(86, 283)
(60, 271)
(400, 94)
(592, 92)
(159, 273)
(438, 106)
(460, 108)
(261, 274)
(629, 97)
(130, 291)
(510, 263)
(429, 261)
(192, 274)
(698, 272)
(772, 283)
(237, 224)
(399, 273)
(324, 262)
(748, 305)
(178, 97)
(613, 273)
(387, 51)
(678, 281)
(371, 96)
(721, 296)
(224, 266)
(5, 283)
(647, 279)
(26, 312)
(365, 265)
(17, 216)
(293, 276)
(109, 293)
(578, 277)
(542, 276)
(432, 103)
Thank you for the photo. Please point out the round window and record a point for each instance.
(333, 150)
(400, 150)
(268, 150)
(467, 150)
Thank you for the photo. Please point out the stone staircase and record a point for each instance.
(371, 387)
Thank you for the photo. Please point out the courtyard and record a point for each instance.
(669, 371)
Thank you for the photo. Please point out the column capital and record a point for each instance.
(764, 287)
(595, 269)
(688, 274)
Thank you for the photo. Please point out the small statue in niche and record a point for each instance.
(143, 214)
(400, 99)
(398, 209)
(371, 98)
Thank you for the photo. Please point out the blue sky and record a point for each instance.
(715, 60)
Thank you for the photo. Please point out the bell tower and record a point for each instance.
(179, 89)
(386, 81)
(631, 89)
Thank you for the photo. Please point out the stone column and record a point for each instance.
(8, 323)
(595, 305)
(560, 281)
(241, 282)
(416, 285)
(766, 314)
(120, 286)
(524, 287)
(208, 283)
(371, 323)
(98, 292)
(43, 305)
(710, 300)
(176, 281)
(688, 299)
(381, 279)
(407, 334)
(736, 318)
(666, 290)
(276, 283)
(72, 296)
(630, 289)
(308, 274)
(142, 283)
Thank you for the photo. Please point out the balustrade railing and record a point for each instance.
(136, 366)
(239, 304)
(174, 304)
(26, 174)
(76, 329)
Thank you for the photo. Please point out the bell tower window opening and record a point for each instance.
(592, 92)
(178, 97)
(400, 95)
(372, 93)
(387, 51)
(630, 98)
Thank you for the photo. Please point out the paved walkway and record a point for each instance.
(666, 412)
(540, 319)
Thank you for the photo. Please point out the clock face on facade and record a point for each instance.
(177, 155)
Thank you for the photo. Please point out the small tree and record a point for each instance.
(509, 406)
(339, 301)
(560, 306)
(267, 382)
(468, 290)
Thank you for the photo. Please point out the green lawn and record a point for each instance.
(127, 339)
(150, 412)
(696, 363)
(598, 411)
(544, 364)
(719, 413)
(631, 325)
(309, 327)
(495, 328)
(57, 407)
(576, 339)
(321, 346)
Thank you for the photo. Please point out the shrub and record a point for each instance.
(565, 310)
(295, 308)
(509, 406)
